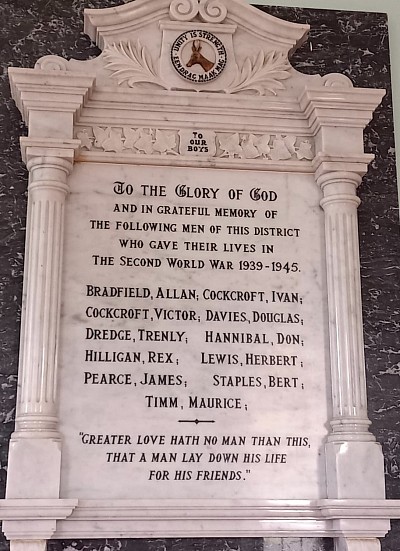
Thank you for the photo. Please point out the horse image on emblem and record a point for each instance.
(197, 57)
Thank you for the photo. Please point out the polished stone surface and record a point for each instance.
(360, 50)
(258, 467)
(359, 41)
(199, 544)
(358, 46)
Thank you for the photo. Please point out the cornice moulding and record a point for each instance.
(353, 103)
(108, 22)
(64, 91)
(237, 164)
(60, 91)
(275, 121)
(360, 101)
(175, 104)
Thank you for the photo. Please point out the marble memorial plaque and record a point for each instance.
(191, 358)
(194, 334)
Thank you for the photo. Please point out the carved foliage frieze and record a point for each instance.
(232, 145)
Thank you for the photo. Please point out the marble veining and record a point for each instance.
(361, 52)
(189, 544)
(353, 43)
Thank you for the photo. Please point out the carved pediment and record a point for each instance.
(191, 45)
(108, 25)
(173, 70)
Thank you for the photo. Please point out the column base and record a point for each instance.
(28, 545)
(355, 470)
(34, 469)
(353, 544)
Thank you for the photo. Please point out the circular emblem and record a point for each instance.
(198, 56)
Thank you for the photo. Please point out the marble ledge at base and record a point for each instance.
(66, 518)
(338, 32)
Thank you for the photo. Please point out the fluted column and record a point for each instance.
(340, 203)
(36, 413)
(354, 459)
(35, 450)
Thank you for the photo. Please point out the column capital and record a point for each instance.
(324, 165)
(34, 149)
(339, 179)
(339, 188)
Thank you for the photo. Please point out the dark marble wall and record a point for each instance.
(355, 44)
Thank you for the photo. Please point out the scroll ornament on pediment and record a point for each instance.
(209, 11)
(230, 145)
